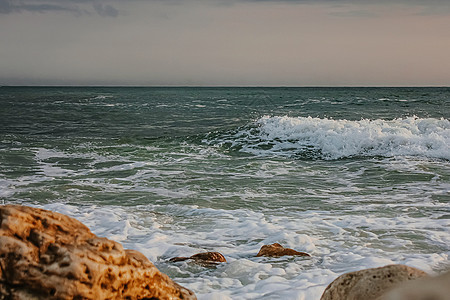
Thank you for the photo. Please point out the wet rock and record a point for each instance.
(276, 250)
(206, 257)
(431, 288)
(47, 255)
(369, 284)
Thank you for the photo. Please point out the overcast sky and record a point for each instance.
(225, 42)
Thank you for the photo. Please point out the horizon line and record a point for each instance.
(232, 86)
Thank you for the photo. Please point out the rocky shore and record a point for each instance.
(47, 255)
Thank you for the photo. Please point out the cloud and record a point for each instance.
(105, 10)
(419, 2)
(5, 7)
(428, 7)
(355, 14)
(201, 42)
(77, 7)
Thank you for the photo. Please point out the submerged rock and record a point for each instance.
(47, 255)
(276, 250)
(369, 284)
(431, 288)
(203, 258)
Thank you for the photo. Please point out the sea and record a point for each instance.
(356, 177)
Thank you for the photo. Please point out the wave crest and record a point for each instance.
(336, 139)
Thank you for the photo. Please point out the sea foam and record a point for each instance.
(336, 139)
(164, 231)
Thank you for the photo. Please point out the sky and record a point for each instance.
(225, 42)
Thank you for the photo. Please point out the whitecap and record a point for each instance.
(336, 139)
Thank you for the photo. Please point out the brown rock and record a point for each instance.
(431, 288)
(369, 284)
(276, 250)
(206, 257)
(47, 255)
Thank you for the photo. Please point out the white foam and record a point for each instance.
(102, 97)
(334, 139)
(164, 231)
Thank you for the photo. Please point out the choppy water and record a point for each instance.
(357, 177)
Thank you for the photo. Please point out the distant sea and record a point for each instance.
(357, 177)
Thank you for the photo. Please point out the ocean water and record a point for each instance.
(357, 177)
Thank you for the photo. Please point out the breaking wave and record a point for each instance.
(336, 139)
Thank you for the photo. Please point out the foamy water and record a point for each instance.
(336, 139)
(358, 178)
(337, 245)
(341, 214)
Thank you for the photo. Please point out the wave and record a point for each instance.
(324, 138)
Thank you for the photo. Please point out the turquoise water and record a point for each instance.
(358, 177)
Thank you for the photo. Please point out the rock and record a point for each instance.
(206, 257)
(47, 255)
(276, 250)
(369, 284)
(431, 288)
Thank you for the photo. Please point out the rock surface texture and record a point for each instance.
(206, 257)
(47, 255)
(276, 250)
(432, 288)
(370, 284)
